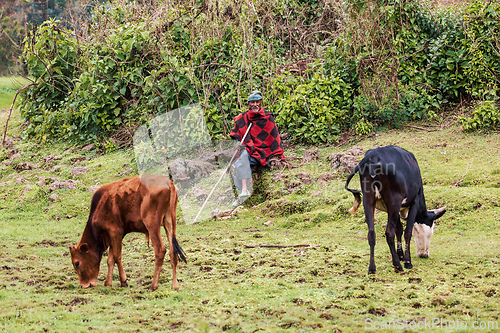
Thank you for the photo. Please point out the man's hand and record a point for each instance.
(239, 146)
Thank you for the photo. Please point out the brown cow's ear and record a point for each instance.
(83, 247)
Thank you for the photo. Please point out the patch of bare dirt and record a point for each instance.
(346, 162)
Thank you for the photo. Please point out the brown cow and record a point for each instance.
(139, 204)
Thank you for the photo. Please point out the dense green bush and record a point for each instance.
(482, 49)
(485, 116)
(317, 110)
(52, 60)
(378, 63)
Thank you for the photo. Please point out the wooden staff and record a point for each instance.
(230, 162)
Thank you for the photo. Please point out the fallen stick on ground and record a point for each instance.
(282, 246)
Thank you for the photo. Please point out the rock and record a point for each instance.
(326, 177)
(26, 166)
(21, 180)
(49, 158)
(12, 152)
(345, 162)
(27, 188)
(121, 174)
(42, 180)
(94, 188)
(78, 171)
(279, 176)
(199, 193)
(216, 212)
(9, 142)
(15, 156)
(304, 178)
(53, 197)
(183, 169)
(310, 155)
(67, 184)
(88, 147)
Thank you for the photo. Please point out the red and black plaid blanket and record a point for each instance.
(263, 141)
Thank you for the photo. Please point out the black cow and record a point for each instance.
(391, 182)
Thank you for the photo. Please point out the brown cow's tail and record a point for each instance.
(178, 250)
(356, 193)
(173, 211)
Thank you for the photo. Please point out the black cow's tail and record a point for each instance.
(178, 250)
(356, 193)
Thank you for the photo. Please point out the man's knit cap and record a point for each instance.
(255, 96)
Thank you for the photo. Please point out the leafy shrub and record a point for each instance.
(316, 111)
(51, 57)
(386, 62)
(363, 127)
(485, 116)
(482, 45)
(137, 61)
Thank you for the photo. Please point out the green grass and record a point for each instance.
(8, 89)
(228, 287)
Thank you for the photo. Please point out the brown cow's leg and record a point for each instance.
(160, 251)
(116, 253)
(111, 266)
(173, 258)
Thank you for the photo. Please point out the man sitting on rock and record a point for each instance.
(262, 144)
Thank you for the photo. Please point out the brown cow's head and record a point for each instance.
(423, 230)
(86, 264)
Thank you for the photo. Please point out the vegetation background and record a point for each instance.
(337, 74)
(326, 67)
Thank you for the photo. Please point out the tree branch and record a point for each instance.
(10, 111)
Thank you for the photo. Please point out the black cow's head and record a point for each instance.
(423, 230)
(86, 263)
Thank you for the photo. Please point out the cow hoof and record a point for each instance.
(398, 268)
(408, 265)
(372, 271)
(125, 284)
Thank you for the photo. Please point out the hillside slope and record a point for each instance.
(319, 283)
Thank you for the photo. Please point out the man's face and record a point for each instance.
(255, 105)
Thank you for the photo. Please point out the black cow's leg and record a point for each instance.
(390, 232)
(408, 232)
(399, 234)
(371, 241)
(369, 207)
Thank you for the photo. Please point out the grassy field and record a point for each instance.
(8, 88)
(228, 286)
